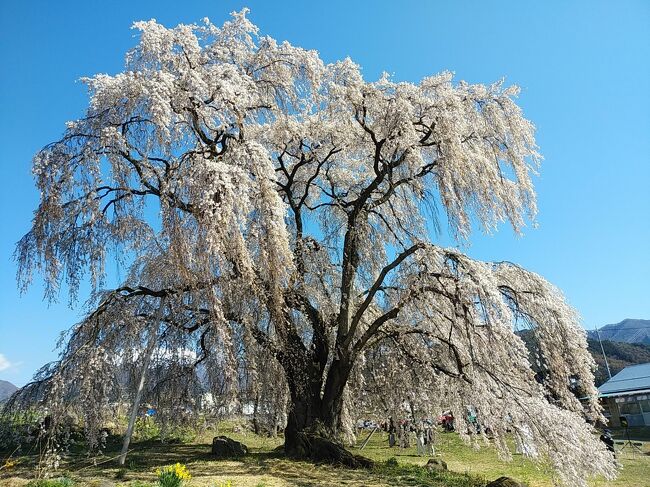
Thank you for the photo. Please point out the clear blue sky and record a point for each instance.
(584, 69)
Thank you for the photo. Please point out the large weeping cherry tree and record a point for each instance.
(278, 211)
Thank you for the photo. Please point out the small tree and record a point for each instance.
(282, 207)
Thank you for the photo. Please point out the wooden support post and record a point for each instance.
(151, 345)
(368, 439)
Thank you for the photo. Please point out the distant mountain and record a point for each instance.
(6, 390)
(628, 331)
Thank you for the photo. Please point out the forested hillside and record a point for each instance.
(619, 356)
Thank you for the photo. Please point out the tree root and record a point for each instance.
(323, 450)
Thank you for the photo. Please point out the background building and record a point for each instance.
(628, 394)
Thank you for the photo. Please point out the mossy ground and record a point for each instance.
(265, 467)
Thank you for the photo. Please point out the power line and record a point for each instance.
(627, 328)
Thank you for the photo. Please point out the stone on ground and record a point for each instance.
(435, 464)
(504, 482)
(224, 447)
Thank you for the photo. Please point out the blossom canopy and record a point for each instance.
(278, 210)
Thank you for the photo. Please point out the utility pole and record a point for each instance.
(609, 372)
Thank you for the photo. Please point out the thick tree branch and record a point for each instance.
(401, 257)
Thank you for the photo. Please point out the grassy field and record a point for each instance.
(265, 468)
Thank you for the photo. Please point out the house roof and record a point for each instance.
(632, 379)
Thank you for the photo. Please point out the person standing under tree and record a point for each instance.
(391, 432)
(419, 438)
(429, 439)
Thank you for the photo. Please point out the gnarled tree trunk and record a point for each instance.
(314, 418)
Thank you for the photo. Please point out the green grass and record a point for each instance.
(460, 458)
(60, 482)
(265, 467)
(486, 464)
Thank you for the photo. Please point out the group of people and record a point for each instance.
(404, 432)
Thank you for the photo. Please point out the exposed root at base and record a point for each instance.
(322, 450)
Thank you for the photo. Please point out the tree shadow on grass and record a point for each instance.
(147, 457)
(260, 466)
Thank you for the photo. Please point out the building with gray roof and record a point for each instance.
(627, 394)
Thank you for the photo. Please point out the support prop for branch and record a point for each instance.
(151, 345)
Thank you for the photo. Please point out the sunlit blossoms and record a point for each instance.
(278, 211)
